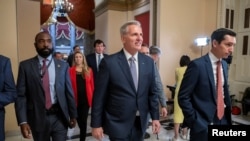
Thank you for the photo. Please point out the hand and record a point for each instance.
(156, 126)
(98, 133)
(72, 123)
(26, 132)
(164, 112)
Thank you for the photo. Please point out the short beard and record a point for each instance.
(44, 52)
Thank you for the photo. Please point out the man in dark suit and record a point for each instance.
(46, 111)
(76, 48)
(95, 58)
(198, 91)
(125, 91)
(154, 52)
(7, 90)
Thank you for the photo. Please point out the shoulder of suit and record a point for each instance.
(90, 55)
(4, 58)
(30, 60)
(60, 61)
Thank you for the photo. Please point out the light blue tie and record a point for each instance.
(133, 71)
(98, 61)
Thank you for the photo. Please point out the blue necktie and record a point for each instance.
(133, 71)
(98, 61)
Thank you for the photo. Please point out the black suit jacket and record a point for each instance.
(7, 83)
(91, 60)
(115, 99)
(30, 104)
(70, 59)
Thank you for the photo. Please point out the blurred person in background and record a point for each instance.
(178, 115)
(95, 58)
(70, 58)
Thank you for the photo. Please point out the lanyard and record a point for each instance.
(42, 71)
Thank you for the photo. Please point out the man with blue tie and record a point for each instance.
(95, 58)
(204, 99)
(45, 106)
(125, 91)
(7, 90)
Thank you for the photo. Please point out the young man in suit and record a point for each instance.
(7, 90)
(125, 91)
(95, 58)
(45, 106)
(198, 94)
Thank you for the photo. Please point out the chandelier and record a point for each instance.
(63, 7)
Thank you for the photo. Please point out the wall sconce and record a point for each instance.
(201, 42)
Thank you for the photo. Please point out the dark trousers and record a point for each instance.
(203, 135)
(2, 132)
(56, 129)
(83, 111)
(136, 133)
(200, 136)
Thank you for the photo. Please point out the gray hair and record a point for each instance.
(154, 50)
(123, 29)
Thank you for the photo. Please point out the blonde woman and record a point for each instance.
(82, 80)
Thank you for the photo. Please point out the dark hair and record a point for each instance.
(98, 41)
(220, 33)
(55, 53)
(144, 45)
(74, 47)
(184, 61)
(40, 33)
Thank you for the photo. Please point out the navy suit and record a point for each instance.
(197, 95)
(30, 104)
(116, 100)
(91, 60)
(7, 90)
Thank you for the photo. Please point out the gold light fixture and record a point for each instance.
(63, 7)
(60, 8)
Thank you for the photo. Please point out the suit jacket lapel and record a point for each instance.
(94, 62)
(125, 68)
(141, 66)
(57, 69)
(36, 68)
(210, 75)
(225, 72)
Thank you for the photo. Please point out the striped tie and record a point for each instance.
(46, 87)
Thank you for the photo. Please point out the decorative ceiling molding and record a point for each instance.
(119, 5)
